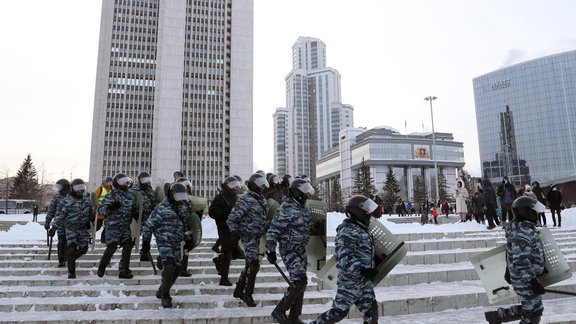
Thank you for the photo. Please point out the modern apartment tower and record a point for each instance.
(312, 93)
(280, 140)
(174, 91)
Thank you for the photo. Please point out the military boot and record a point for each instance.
(250, 282)
(61, 252)
(239, 290)
(105, 260)
(124, 268)
(296, 309)
(71, 259)
(168, 275)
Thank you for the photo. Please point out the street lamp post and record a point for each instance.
(432, 98)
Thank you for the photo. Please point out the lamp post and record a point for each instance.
(432, 98)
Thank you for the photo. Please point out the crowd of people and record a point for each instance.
(242, 214)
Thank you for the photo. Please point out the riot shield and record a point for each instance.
(270, 214)
(135, 226)
(316, 248)
(158, 195)
(198, 205)
(95, 205)
(194, 228)
(388, 252)
(491, 266)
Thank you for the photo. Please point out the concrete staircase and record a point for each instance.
(435, 283)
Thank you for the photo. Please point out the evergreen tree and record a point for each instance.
(467, 180)
(364, 184)
(391, 189)
(442, 186)
(419, 189)
(336, 202)
(25, 185)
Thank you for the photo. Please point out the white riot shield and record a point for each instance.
(491, 266)
(388, 252)
(136, 226)
(316, 247)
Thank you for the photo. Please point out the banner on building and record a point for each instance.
(421, 153)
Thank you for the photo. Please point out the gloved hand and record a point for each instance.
(189, 244)
(52, 231)
(369, 273)
(114, 206)
(507, 276)
(271, 256)
(145, 247)
(47, 225)
(537, 286)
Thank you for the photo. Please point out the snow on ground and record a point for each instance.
(32, 232)
(35, 231)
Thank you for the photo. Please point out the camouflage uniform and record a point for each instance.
(168, 228)
(291, 228)
(148, 201)
(53, 208)
(247, 220)
(118, 231)
(75, 215)
(525, 261)
(354, 252)
(168, 224)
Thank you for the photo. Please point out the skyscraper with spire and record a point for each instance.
(174, 91)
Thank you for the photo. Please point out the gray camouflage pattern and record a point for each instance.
(168, 228)
(74, 216)
(118, 221)
(291, 229)
(55, 204)
(525, 261)
(148, 201)
(248, 220)
(354, 251)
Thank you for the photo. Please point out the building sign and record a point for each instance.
(501, 84)
(421, 153)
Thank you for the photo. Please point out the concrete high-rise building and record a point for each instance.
(174, 91)
(313, 103)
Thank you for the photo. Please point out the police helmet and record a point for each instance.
(186, 184)
(300, 190)
(177, 193)
(286, 180)
(524, 208)
(274, 180)
(121, 182)
(362, 208)
(231, 184)
(62, 187)
(78, 188)
(257, 182)
(144, 179)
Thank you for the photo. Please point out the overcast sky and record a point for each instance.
(390, 54)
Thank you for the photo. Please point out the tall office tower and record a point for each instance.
(174, 91)
(280, 140)
(312, 89)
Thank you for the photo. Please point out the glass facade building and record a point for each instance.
(525, 115)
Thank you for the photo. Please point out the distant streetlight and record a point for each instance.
(432, 98)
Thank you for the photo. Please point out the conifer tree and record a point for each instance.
(419, 191)
(442, 186)
(336, 202)
(25, 185)
(391, 189)
(364, 184)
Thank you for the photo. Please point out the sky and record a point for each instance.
(390, 54)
